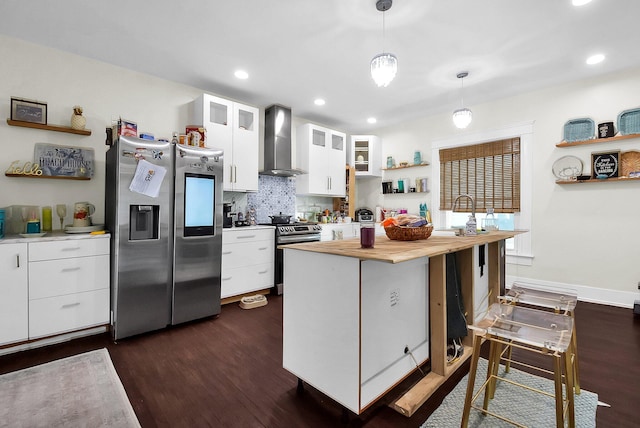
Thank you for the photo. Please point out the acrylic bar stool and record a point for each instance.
(561, 301)
(533, 330)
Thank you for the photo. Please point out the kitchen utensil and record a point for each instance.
(567, 168)
(82, 212)
(280, 218)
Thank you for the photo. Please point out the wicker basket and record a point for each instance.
(399, 233)
(630, 162)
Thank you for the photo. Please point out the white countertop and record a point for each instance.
(56, 235)
(258, 226)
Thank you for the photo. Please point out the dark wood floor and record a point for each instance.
(227, 372)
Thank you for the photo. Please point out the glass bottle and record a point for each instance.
(490, 221)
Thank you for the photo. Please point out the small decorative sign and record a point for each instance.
(28, 111)
(605, 164)
(64, 161)
(26, 168)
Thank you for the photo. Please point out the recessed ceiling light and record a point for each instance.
(241, 74)
(580, 2)
(595, 59)
(372, 120)
(319, 102)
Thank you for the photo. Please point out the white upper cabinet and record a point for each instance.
(366, 155)
(232, 127)
(322, 153)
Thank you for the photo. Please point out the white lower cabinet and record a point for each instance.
(14, 293)
(68, 286)
(247, 260)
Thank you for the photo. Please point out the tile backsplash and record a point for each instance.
(275, 195)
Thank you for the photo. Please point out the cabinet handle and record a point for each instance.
(70, 249)
(70, 269)
(235, 174)
(224, 253)
(262, 248)
(17, 260)
(263, 271)
(227, 278)
(231, 172)
(70, 305)
(246, 236)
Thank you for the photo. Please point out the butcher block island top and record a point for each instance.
(387, 250)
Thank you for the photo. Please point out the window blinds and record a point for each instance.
(490, 172)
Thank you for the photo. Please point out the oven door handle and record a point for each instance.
(296, 239)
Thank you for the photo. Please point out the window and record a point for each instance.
(518, 248)
(488, 172)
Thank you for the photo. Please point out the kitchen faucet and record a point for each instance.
(471, 225)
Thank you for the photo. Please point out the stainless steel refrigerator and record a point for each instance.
(164, 211)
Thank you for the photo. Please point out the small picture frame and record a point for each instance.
(605, 164)
(28, 111)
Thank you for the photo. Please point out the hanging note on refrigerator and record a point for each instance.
(148, 178)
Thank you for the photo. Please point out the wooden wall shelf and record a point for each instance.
(403, 167)
(56, 128)
(597, 180)
(597, 140)
(55, 177)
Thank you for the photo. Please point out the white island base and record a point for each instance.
(349, 324)
(349, 313)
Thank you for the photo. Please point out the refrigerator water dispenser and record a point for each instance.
(143, 222)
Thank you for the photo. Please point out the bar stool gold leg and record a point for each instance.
(477, 342)
(569, 388)
(574, 359)
(557, 377)
(507, 364)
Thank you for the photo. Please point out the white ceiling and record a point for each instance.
(297, 50)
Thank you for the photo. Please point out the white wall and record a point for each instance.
(584, 236)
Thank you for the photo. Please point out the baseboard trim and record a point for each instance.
(603, 296)
(38, 343)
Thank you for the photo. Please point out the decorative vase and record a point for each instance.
(78, 121)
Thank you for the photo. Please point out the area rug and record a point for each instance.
(79, 391)
(523, 406)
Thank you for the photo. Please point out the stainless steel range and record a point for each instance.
(291, 233)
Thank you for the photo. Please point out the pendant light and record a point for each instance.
(462, 117)
(385, 65)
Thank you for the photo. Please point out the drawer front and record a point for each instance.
(247, 279)
(62, 314)
(52, 250)
(67, 276)
(236, 236)
(247, 254)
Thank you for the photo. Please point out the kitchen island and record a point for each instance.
(357, 321)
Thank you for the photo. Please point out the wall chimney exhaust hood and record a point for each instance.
(277, 142)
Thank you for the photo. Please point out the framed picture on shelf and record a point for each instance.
(28, 111)
(605, 164)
